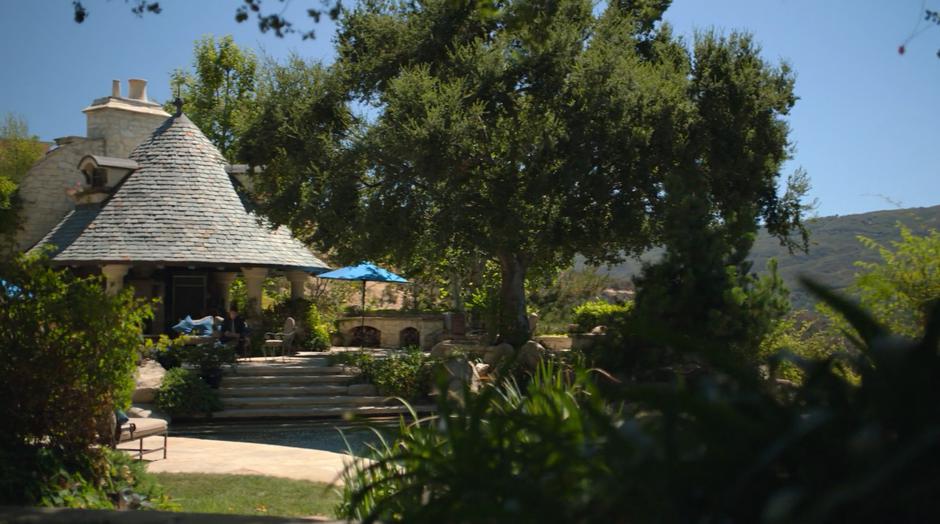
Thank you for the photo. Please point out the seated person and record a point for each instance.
(234, 328)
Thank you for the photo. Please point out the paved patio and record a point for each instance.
(193, 455)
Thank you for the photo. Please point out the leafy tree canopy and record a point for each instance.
(220, 91)
(18, 152)
(526, 134)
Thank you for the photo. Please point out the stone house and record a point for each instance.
(146, 200)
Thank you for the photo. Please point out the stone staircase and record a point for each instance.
(300, 387)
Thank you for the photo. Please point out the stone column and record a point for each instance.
(298, 283)
(224, 281)
(254, 278)
(114, 277)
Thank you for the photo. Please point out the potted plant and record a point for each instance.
(208, 359)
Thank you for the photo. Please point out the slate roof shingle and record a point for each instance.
(178, 207)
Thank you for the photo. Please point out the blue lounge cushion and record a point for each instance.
(185, 326)
(203, 327)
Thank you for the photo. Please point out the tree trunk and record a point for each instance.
(513, 321)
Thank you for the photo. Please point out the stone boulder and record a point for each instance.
(530, 354)
(495, 354)
(444, 349)
(460, 373)
(147, 380)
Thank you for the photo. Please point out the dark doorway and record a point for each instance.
(189, 297)
(409, 337)
(366, 336)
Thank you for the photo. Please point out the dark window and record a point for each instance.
(99, 178)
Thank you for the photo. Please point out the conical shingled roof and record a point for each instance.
(179, 207)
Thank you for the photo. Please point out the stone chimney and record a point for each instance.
(137, 89)
(123, 122)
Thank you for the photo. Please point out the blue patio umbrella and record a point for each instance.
(363, 272)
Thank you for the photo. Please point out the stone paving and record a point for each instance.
(193, 455)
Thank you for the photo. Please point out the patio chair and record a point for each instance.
(280, 341)
(139, 429)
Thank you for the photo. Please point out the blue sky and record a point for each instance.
(866, 127)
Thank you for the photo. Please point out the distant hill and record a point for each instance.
(834, 248)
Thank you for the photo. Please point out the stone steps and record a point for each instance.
(303, 401)
(256, 370)
(298, 388)
(281, 391)
(314, 412)
(283, 380)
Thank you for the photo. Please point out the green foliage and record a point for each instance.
(173, 353)
(318, 332)
(804, 337)
(208, 358)
(168, 352)
(67, 354)
(504, 455)
(697, 293)
(899, 289)
(405, 374)
(726, 446)
(555, 298)
(220, 93)
(183, 393)
(599, 313)
(524, 136)
(101, 479)
(18, 152)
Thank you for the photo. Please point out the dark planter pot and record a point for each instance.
(212, 377)
(168, 361)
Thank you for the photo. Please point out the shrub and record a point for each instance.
(727, 446)
(900, 288)
(804, 337)
(106, 480)
(404, 374)
(208, 357)
(169, 352)
(68, 353)
(318, 331)
(183, 393)
(599, 313)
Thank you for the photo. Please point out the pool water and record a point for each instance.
(308, 434)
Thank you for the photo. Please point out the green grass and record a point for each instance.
(248, 494)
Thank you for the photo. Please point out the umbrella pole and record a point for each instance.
(362, 324)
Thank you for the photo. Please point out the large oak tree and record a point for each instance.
(527, 133)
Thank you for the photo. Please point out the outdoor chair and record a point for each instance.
(139, 429)
(280, 341)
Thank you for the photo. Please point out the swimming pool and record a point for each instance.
(308, 434)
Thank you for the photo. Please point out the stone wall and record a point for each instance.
(43, 188)
(122, 124)
(430, 328)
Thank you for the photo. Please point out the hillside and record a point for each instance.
(834, 248)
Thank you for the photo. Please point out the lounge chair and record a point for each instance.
(139, 429)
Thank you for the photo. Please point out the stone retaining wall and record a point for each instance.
(430, 328)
